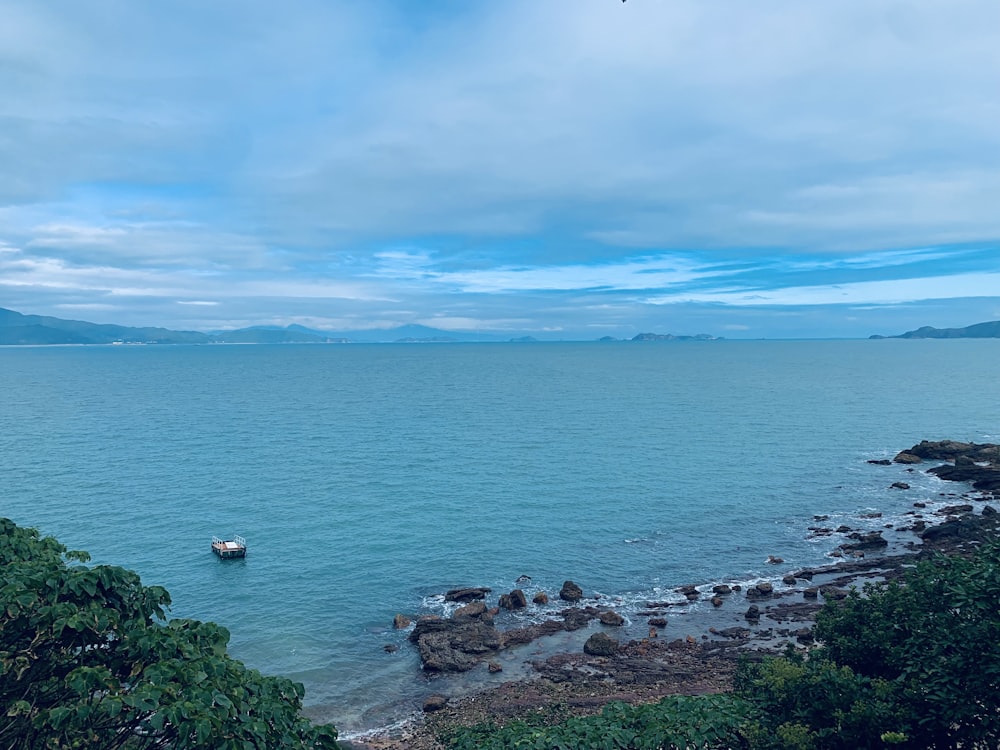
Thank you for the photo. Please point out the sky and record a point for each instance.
(567, 169)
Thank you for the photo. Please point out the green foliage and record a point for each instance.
(89, 660)
(937, 639)
(816, 704)
(702, 722)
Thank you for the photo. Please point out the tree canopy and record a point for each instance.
(89, 659)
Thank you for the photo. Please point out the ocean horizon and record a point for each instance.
(369, 479)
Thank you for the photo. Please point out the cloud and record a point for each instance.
(470, 162)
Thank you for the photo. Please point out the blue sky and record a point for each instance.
(563, 168)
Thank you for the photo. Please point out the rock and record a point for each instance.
(575, 619)
(611, 618)
(434, 703)
(653, 633)
(986, 478)
(762, 590)
(659, 622)
(470, 611)
(390, 648)
(570, 592)
(811, 593)
(955, 510)
(907, 458)
(522, 579)
(692, 596)
(494, 667)
(880, 461)
(899, 486)
(869, 541)
(772, 560)
(540, 598)
(399, 622)
(788, 580)
(919, 504)
(458, 649)
(467, 594)
(733, 633)
(753, 613)
(843, 529)
(717, 601)
(721, 589)
(833, 593)
(989, 510)
(518, 599)
(600, 644)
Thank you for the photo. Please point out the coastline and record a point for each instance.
(697, 653)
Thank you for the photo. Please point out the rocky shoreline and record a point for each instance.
(761, 618)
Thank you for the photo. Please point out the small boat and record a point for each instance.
(229, 548)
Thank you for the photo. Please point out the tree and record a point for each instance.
(89, 660)
(936, 637)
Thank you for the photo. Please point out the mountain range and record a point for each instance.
(990, 330)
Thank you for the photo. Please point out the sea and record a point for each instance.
(370, 479)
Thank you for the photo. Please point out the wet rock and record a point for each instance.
(865, 541)
(811, 593)
(752, 613)
(721, 589)
(399, 622)
(600, 644)
(955, 510)
(717, 601)
(570, 592)
(735, 633)
(540, 598)
(903, 457)
(989, 510)
(843, 529)
(880, 461)
(659, 622)
(435, 703)
(762, 590)
(919, 505)
(788, 580)
(833, 593)
(494, 667)
(985, 478)
(470, 611)
(611, 618)
(514, 600)
(467, 594)
(899, 486)
(390, 648)
(774, 560)
(575, 619)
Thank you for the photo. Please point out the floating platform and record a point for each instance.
(229, 548)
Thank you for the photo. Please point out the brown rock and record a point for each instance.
(570, 592)
(600, 644)
(907, 458)
(494, 667)
(400, 621)
(466, 594)
(611, 618)
(659, 622)
(540, 598)
(435, 703)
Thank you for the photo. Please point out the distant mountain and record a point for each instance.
(670, 337)
(989, 330)
(16, 328)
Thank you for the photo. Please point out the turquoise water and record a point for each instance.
(369, 479)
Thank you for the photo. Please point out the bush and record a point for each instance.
(89, 661)
(701, 722)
